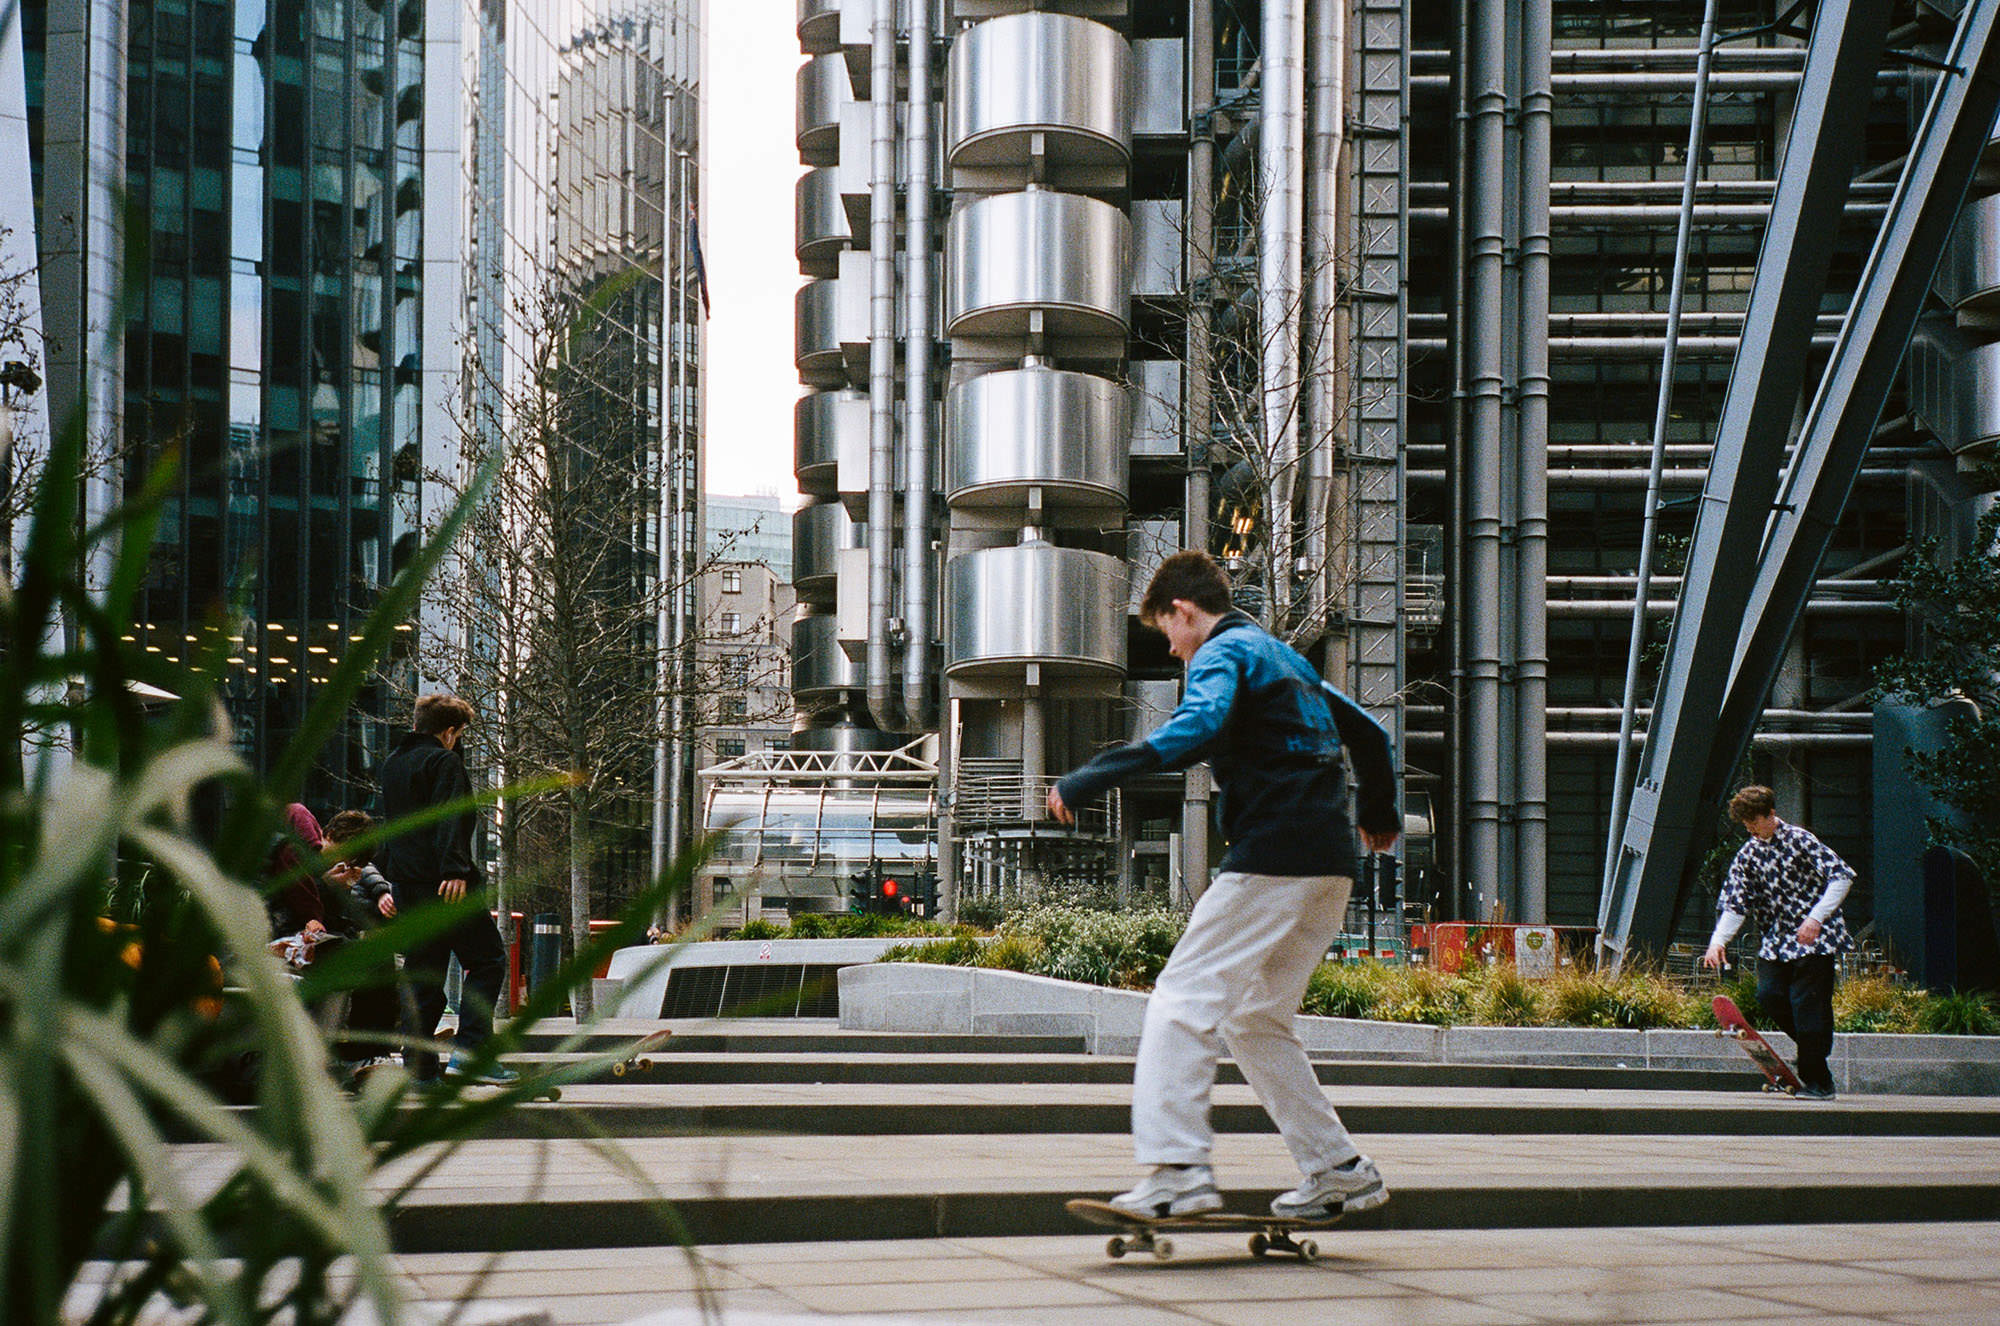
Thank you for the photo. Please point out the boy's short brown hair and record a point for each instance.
(346, 825)
(1192, 576)
(1752, 803)
(440, 712)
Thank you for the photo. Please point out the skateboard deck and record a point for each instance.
(1268, 1233)
(641, 1058)
(1778, 1075)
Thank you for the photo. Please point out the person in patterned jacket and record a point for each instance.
(1796, 884)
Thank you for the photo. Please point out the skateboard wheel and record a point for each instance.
(1308, 1250)
(555, 1093)
(1259, 1246)
(1114, 1248)
(645, 1065)
(1162, 1249)
(618, 1070)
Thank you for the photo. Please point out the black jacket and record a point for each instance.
(1274, 732)
(421, 773)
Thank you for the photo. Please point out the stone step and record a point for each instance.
(736, 1189)
(750, 1066)
(812, 1041)
(647, 1108)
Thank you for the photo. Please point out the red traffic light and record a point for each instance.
(888, 888)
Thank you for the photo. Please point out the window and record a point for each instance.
(732, 582)
(731, 709)
(732, 623)
(734, 671)
(728, 748)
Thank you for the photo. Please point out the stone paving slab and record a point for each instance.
(640, 1106)
(747, 1189)
(1884, 1275)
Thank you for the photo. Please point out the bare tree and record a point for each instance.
(551, 622)
(1284, 526)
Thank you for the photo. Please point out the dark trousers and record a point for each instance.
(475, 942)
(1798, 996)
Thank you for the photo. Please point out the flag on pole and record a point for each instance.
(694, 254)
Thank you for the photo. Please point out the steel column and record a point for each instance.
(1820, 153)
(1842, 421)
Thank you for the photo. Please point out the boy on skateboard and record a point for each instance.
(1273, 731)
(1796, 883)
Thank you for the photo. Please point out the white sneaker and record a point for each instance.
(1172, 1190)
(1354, 1187)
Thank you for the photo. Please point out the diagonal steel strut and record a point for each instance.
(1820, 153)
(1873, 340)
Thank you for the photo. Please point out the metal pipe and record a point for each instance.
(1578, 714)
(1625, 347)
(1195, 422)
(1485, 334)
(1321, 413)
(1578, 452)
(1455, 439)
(882, 697)
(1658, 82)
(1633, 478)
(1622, 607)
(1617, 582)
(665, 785)
(1531, 648)
(917, 707)
(1326, 106)
(1280, 219)
(1763, 740)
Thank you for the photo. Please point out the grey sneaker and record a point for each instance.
(1354, 1187)
(1172, 1190)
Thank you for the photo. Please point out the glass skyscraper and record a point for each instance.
(336, 209)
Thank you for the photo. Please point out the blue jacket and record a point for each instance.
(1273, 732)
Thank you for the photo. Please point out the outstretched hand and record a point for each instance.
(1057, 808)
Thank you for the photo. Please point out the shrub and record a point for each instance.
(1876, 1003)
(812, 925)
(1341, 990)
(1120, 949)
(1506, 999)
(759, 929)
(1424, 994)
(958, 951)
(1961, 1013)
(1013, 952)
(986, 913)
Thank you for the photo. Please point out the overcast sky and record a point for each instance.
(753, 54)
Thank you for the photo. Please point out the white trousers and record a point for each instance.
(1236, 979)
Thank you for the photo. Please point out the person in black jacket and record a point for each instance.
(1275, 734)
(435, 863)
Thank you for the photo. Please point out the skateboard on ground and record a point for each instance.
(641, 1058)
(1268, 1233)
(1778, 1075)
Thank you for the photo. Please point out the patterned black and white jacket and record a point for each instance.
(1784, 881)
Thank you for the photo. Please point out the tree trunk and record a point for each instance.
(579, 894)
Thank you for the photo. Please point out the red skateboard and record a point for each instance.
(1778, 1075)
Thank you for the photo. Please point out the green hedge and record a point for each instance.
(1126, 950)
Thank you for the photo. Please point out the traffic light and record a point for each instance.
(924, 895)
(861, 893)
(890, 900)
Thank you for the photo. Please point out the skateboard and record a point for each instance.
(1268, 1233)
(1778, 1075)
(641, 1058)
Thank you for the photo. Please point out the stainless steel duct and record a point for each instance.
(1479, 597)
(1280, 219)
(882, 697)
(1531, 470)
(1323, 348)
(918, 711)
(1195, 428)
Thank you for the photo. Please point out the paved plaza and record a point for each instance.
(1910, 1274)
